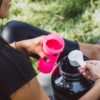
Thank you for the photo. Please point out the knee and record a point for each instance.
(9, 31)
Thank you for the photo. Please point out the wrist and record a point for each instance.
(97, 86)
(97, 82)
(13, 45)
(20, 46)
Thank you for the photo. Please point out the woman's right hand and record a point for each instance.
(31, 46)
(92, 70)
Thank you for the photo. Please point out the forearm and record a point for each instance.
(92, 51)
(30, 46)
(18, 45)
(93, 94)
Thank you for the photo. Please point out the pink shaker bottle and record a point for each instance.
(53, 45)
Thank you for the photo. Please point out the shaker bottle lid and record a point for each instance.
(76, 58)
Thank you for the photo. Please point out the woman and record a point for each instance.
(17, 77)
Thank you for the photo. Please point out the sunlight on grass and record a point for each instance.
(54, 16)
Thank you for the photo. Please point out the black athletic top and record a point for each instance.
(15, 70)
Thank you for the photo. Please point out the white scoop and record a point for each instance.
(76, 58)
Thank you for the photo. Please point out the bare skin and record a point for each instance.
(90, 50)
(92, 72)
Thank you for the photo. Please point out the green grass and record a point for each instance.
(73, 19)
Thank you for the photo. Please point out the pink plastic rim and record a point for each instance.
(51, 41)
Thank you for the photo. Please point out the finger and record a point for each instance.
(89, 77)
(86, 73)
(37, 40)
(89, 65)
(81, 70)
(92, 62)
(41, 54)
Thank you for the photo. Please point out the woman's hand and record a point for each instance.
(31, 46)
(91, 71)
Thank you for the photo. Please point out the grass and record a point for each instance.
(73, 19)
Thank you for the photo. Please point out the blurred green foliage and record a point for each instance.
(73, 19)
(73, 8)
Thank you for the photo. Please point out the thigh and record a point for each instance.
(30, 91)
(17, 30)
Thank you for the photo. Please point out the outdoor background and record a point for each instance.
(73, 19)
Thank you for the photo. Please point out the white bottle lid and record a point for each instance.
(76, 58)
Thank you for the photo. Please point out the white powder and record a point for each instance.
(76, 58)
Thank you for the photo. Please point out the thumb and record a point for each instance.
(41, 54)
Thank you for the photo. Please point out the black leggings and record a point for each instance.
(16, 31)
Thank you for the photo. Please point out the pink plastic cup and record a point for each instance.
(53, 45)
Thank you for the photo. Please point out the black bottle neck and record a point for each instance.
(68, 71)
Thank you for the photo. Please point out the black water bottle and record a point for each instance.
(68, 83)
